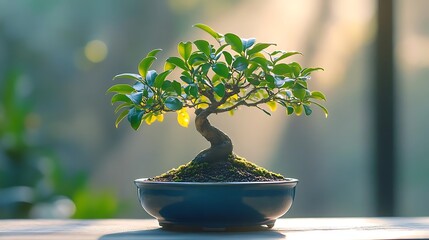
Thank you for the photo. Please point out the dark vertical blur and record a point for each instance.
(384, 105)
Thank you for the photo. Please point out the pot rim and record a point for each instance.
(142, 181)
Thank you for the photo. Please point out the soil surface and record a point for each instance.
(233, 169)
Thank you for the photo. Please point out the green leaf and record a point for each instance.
(120, 98)
(247, 43)
(145, 64)
(197, 58)
(149, 103)
(166, 86)
(169, 66)
(322, 107)
(121, 88)
(276, 52)
(203, 46)
(205, 68)
(120, 106)
(215, 79)
(318, 95)
(299, 92)
(177, 62)
(220, 49)
(240, 63)
(192, 90)
(258, 47)
(282, 69)
(184, 49)
(307, 71)
(253, 80)
(159, 80)
(298, 109)
(221, 69)
(250, 69)
(271, 81)
(289, 110)
(302, 83)
(234, 41)
(228, 57)
(121, 116)
(307, 110)
(173, 103)
(285, 55)
(177, 87)
(296, 68)
(150, 77)
(153, 52)
(186, 73)
(262, 62)
(136, 98)
(135, 118)
(209, 30)
(129, 76)
(186, 79)
(220, 89)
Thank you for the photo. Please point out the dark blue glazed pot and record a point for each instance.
(217, 205)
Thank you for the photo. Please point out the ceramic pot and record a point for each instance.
(216, 205)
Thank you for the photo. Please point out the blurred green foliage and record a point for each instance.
(33, 183)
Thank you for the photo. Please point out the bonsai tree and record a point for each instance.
(215, 79)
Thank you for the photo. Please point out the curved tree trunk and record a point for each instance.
(221, 145)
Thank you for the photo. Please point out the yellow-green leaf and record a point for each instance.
(318, 95)
(285, 55)
(160, 118)
(121, 117)
(322, 107)
(169, 66)
(145, 64)
(307, 71)
(121, 88)
(209, 30)
(298, 109)
(258, 47)
(184, 49)
(154, 52)
(272, 105)
(150, 119)
(183, 117)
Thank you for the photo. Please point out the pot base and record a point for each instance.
(172, 226)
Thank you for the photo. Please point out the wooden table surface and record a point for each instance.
(292, 228)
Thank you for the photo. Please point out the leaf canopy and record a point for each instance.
(239, 72)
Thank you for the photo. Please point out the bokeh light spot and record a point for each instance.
(96, 51)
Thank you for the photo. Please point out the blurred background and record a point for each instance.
(62, 157)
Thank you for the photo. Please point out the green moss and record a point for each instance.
(233, 169)
(242, 163)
